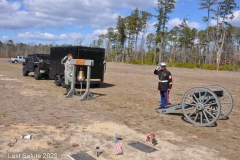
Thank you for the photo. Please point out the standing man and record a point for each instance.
(165, 83)
(67, 71)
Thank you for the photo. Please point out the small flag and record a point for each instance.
(117, 147)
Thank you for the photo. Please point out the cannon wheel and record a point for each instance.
(226, 101)
(201, 106)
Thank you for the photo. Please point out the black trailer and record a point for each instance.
(78, 52)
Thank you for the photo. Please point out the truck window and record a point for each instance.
(44, 58)
(31, 59)
(35, 59)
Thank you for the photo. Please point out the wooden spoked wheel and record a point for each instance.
(201, 106)
(225, 99)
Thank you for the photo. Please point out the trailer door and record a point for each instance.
(97, 71)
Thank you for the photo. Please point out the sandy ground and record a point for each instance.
(124, 106)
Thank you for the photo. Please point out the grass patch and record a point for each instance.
(230, 67)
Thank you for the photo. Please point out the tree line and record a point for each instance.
(219, 44)
(11, 49)
(130, 41)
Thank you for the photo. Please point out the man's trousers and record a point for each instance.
(164, 95)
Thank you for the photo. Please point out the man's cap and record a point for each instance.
(69, 54)
(163, 64)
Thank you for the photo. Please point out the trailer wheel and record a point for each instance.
(201, 106)
(24, 72)
(37, 74)
(226, 100)
(63, 82)
(58, 80)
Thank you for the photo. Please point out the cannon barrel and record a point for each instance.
(218, 93)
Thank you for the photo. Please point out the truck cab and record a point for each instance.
(37, 63)
(17, 59)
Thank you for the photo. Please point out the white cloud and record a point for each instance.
(172, 23)
(176, 21)
(43, 14)
(99, 32)
(151, 28)
(43, 19)
(213, 22)
(193, 24)
(50, 37)
(73, 37)
(6, 6)
(235, 21)
(93, 36)
(37, 35)
(4, 37)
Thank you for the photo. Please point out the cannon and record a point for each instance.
(203, 106)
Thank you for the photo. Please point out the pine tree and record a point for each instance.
(164, 8)
(208, 5)
(225, 12)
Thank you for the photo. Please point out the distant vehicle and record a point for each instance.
(78, 52)
(17, 59)
(37, 63)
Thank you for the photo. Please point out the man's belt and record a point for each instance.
(163, 80)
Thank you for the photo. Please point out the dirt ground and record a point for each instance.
(124, 106)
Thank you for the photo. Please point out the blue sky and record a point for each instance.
(74, 21)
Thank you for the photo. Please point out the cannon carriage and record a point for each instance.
(203, 106)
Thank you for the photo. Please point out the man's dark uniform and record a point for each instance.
(164, 84)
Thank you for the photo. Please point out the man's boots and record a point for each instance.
(67, 90)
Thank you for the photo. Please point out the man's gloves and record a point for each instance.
(158, 68)
(170, 86)
(65, 57)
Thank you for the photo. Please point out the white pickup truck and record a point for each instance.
(17, 59)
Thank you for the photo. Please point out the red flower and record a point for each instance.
(148, 138)
(153, 135)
